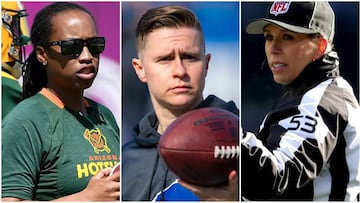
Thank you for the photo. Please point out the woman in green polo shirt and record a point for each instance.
(57, 144)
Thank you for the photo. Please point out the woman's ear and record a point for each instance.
(139, 69)
(41, 55)
(322, 46)
(207, 58)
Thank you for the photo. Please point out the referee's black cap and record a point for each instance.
(299, 17)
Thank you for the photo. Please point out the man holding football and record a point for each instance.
(173, 63)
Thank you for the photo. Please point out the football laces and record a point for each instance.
(226, 152)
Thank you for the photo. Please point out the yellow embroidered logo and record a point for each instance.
(97, 140)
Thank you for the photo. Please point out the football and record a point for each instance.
(202, 146)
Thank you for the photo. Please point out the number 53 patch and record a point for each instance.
(304, 123)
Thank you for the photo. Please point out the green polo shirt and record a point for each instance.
(49, 151)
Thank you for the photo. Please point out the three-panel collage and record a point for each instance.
(180, 101)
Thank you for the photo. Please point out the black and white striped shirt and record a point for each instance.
(308, 146)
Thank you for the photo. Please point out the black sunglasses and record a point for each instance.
(74, 47)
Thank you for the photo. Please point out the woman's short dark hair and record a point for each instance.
(166, 16)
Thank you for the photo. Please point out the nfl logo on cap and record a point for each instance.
(297, 16)
(279, 7)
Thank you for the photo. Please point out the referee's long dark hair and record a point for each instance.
(35, 77)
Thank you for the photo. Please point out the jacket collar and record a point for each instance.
(317, 71)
